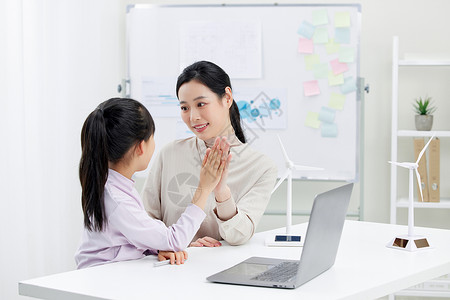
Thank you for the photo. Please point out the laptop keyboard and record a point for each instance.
(282, 272)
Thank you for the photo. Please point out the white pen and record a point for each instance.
(162, 263)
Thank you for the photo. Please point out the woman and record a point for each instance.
(243, 192)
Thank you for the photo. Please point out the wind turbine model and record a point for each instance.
(288, 239)
(411, 242)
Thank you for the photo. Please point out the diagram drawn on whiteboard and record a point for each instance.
(262, 109)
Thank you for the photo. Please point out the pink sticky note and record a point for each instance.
(305, 46)
(311, 88)
(338, 67)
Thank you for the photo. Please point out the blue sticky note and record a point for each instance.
(328, 130)
(306, 29)
(342, 35)
(327, 114)
(349, 85)
(264, 110)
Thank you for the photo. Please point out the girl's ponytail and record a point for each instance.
(108, 133)
(93, 170)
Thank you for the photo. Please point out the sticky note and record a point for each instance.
(320, 17)
(264, 110)
(342, 35)
(332, 47)
(311, 60)
(337, 101)
(306, 29)
(335, 79)
(312, 120)
(338, 67)
(311, 88)
(328, 130)
(327, 114)
(320, 35)
(349, 85)
(342, 19)
(305, 46)
(320, 71)
(346, 54)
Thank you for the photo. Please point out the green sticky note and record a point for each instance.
(342, 19)
(320, 70)
(337, 101)
(332, 47)
(320, 35)
(335, 79)
(311, 60)
(320, 17)
(312, 120)
(346, 55)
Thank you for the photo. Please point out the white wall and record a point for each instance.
(80, 60)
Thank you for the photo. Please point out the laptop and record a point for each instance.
(319, 250)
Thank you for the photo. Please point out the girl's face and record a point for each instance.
(203, 111)
(148, 147)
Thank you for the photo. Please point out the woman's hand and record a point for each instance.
(206, 242)
(210, 174)
(175, 257)
(213, 165)
(222, 191)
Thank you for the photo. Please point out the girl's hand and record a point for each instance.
(175, 257)
(212, 166)
(206, 242)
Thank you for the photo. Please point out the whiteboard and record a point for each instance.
(288, 80)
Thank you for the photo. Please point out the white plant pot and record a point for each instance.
(424, 122)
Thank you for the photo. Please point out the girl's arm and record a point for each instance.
(249, 208)
(147, 233)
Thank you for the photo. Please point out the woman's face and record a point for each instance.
(202, 110)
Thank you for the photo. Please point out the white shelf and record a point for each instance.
(419, 293)
(423, 133)
(432, 288)
(445, 203)
(423, 62)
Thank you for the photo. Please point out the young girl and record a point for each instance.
(243, 192)
(116, 141)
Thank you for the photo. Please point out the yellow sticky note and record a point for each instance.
(342, 19)
(335, 79)
(311, 60)
(337, 101)
(332, 47)
(312, 120)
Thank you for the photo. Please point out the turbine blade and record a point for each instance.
(307, 168)
(419, 182)
(286, 158)
(424, 149)
(285, 175)
(401, 164)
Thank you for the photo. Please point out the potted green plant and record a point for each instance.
(424, 110)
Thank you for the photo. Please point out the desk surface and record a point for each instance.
(364, 269)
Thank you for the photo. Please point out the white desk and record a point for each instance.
(364, 269)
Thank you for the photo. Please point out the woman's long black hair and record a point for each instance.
(108, 133)
(215, 78)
